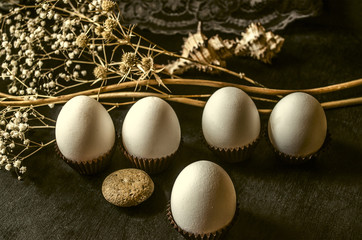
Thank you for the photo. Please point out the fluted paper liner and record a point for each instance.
(204, 236)
(149, 165)
(298, 159)
(233, 155)
(89, 167)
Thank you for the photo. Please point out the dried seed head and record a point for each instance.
(108, 5)
(98, 30)
(110, 24)
(100, 72)
(147, 63)
(130, 59)
(123, 68)
(107, 35)
(82, 40)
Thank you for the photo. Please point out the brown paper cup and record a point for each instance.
(150, 165)
(300, 160)
(89, 167)
(234, 155)
(208, 236)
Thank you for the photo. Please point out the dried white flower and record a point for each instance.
(22, 170)
(17, 164)
(23, 126)
(82, 40)
(8, 167)
(130, 59)
(100, 72)
(107, 35)
(110, 24)
(108, 5)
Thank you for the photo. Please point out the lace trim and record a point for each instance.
(229, 16)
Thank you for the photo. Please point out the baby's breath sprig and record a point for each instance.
(15, 146)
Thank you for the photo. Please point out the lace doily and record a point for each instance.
(229, 16)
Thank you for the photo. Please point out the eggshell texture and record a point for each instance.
(230, 119)
(151, 129)
(84, 130)
(203, 198)
(297, 125)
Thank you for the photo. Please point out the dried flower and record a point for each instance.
(98, 30)
(255, 43)
(82, 40)
(129, 59)
(100, 72)
(107, 35)
(17, 164)
(258, 43)
(14, 143)
(22, 170)
(147, 63)
(8, 167)
(123, 68)
(110, 24)
(108, 5)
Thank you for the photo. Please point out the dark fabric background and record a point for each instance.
(318, 200)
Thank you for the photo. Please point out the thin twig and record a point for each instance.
(189, 82)
(38, 149)
(342, 103)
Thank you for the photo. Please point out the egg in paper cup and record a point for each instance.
(203, 201)
(85, 135)
(219, 234)
(151, 135)
(231, 124)
(297, 128)
(235, 155)
(150, 165)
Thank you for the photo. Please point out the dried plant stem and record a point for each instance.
(185, 99)
(40, 127)
(199, 103)
(342, 103)
(264, 91)
(175, 98)
(145, 94)
(8, 96)
(189, 82)
(115, 105)
(39, 148)
(263, 99)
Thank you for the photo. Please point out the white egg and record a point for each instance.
(297, 125)
(203, 198)
(84, 130)
(151, 129)
(230, 119)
